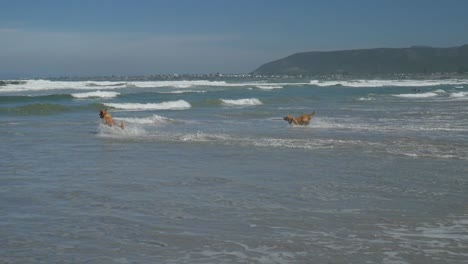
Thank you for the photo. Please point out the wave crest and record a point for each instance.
(459, 94)
(241, 102)
(170, 105)
(269, 87)
(96, 94)
(152, 120)
(416, 95)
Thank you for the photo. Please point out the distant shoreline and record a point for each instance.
(219, 76)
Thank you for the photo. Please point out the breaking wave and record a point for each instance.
(269, 87)
(241, 102)
(178, 84)
(416, 95)
(368, 98)
(104, 83)
(130, 132)
(96, 94)
(171, 105)
(45, 85)
(459, 94)
(183, 91)
(152, 120)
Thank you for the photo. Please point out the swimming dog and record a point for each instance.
(303, 120)
(107, 119)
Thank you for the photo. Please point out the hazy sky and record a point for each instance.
(89, 38)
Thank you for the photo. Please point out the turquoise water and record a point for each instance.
(208, 172)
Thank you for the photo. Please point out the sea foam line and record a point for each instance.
(170, 105)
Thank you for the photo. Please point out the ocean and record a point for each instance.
(207, 171)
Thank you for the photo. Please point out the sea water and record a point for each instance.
(207, 171)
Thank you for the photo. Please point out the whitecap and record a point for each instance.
(152, 120)
(178, 84)
(184, 91)
(416, 95)
(106, 131)
(269, 87)
(241, 102)
(170, 105)
(366, 98)
(96, 94)
(43, 85)
(439, 91)
(459, 94)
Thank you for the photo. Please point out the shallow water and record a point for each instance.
(208, 172)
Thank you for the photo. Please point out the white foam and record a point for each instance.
(459, 94)
(450, 234)
(416, 95)
(152, 120)
(42, 85)
(269, 87)
(134, 131)
(170, 105)
(432, 150)
(45, 85)
(203, 137)
(96, 94)
(184, 91)
(366, 98)
(178, 84)
(116, 132)
(240, 102)
(440, 91)
(385, 126)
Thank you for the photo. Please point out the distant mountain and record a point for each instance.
(379, 61)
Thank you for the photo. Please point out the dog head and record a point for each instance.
(102, 113)
(288, 118)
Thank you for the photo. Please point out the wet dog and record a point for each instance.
(302, 120)
(107, 119)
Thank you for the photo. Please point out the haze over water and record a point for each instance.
(208, 172)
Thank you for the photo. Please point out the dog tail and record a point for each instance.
(312, 114)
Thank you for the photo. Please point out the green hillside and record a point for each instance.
(379, 61)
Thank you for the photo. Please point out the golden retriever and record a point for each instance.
(302, 120)
(107, 119)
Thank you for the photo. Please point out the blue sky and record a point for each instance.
(89, 38)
